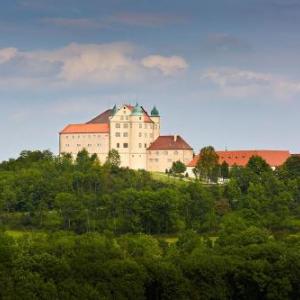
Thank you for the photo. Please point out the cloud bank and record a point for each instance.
(245, 83)
(113, 63)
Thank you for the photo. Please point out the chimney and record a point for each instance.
(175, 137)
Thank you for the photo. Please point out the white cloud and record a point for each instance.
(168, 65)
(244, 83)
(6, 54)
(114, 63)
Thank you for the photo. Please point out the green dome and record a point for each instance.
(137, 111)
(154, 112)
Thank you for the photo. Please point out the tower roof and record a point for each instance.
(154, 112)
(137, 110)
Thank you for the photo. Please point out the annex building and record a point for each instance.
(274, 158)
(133, 132)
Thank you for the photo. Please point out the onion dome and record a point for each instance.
(137, 111)
(154, 112)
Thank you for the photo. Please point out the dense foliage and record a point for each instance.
(100, 232)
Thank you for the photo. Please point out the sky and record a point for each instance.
(221, 72)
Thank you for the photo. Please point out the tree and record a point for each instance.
(178, 167)
(258, 165)
(292, 166)
(207, 164)
(114, 158)
(224, 169)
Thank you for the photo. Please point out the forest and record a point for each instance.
(84, 230)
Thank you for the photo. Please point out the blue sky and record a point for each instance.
(221, 72)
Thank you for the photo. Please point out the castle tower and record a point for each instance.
(155, 117)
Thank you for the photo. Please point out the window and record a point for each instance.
(73, 136)
(67, 137)
(127, 118)
(118, 134)
(125, 145)
(145, 145)
(99, 145)
(151, 135)
(149, 152)
(156, 159)
(89, 145)
(78, 145)
(140, 125)
(146, 135)
(145, 126)
(125, 134)
(157, 152)
(118, 125)
(122, 118)
(125, 125)
(118, 145)
(176, 152)
(140, 145)
(165, 152)
(140, 134)
(169, 160)
(140, 118)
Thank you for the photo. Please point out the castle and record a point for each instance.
(133, 133)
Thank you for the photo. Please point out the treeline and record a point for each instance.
(244, 263)
(41, 191)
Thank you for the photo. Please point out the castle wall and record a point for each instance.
(160, 160)
(94, 143)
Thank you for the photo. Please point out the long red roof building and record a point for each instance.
(274, 158)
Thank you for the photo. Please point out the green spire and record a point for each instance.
(154, 112)
(137, 110)
(114, 110)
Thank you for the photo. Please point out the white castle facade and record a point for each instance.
(131, 131)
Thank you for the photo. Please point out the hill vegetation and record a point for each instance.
(98, 232)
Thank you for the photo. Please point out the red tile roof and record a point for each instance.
(147, 118)
(274, 158)
(102, 118)
(170, 142)
(85, 128)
